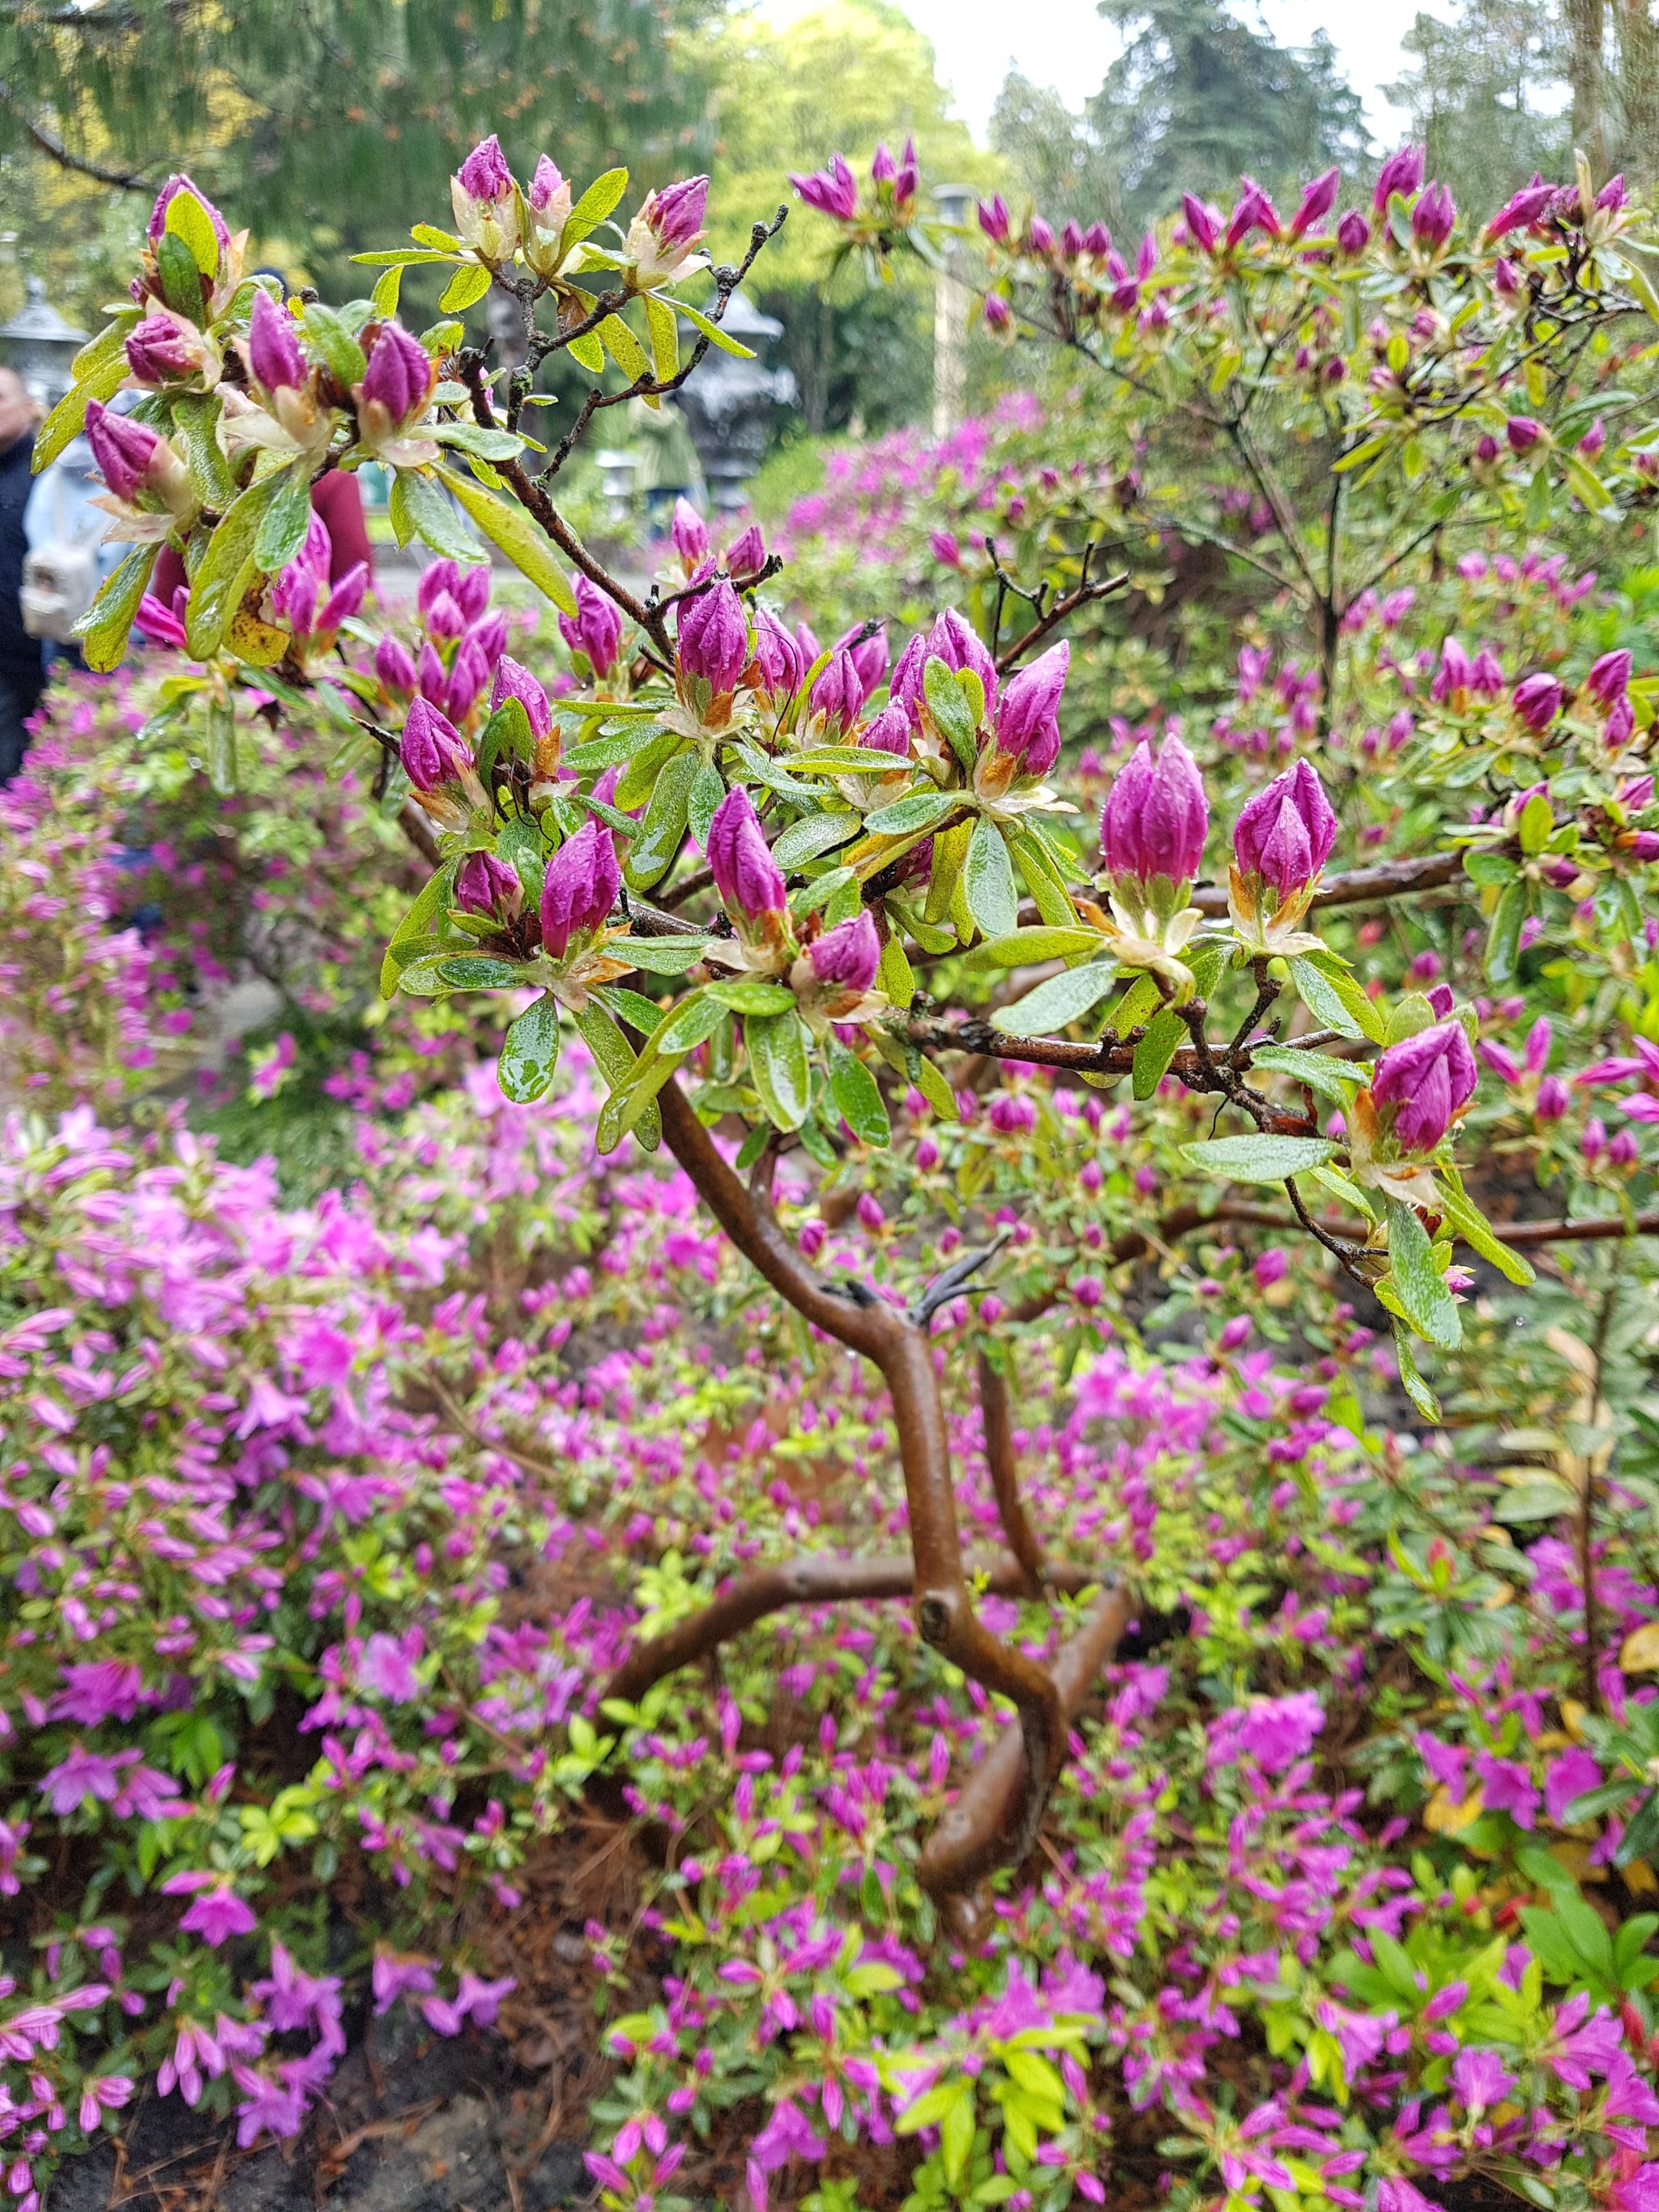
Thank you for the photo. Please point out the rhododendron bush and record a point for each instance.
(1022, 1364)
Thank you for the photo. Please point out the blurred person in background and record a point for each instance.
(22, 667)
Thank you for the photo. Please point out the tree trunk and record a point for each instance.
(1639, 89)
(1584, 70)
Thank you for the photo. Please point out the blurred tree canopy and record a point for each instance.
(838, 81)
(336, 117)
(1484, 96)
(1196, 98)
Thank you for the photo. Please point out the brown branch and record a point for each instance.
(418, 830)
(1523, 1233)
(815, 1578)
(49, 144)
(1003, 1463)
(1385, 879)
(962, 1847)
(1082, 595)
(904, 1354)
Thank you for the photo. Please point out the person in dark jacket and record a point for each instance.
(22, 671)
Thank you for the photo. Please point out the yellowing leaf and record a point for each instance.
(1641, 1653)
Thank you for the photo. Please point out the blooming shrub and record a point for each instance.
(1254, 1799)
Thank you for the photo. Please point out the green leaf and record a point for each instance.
(595, 204)
(1532, 1501)
(812, 835)
(215, 589)
(895, 975)
(283, 525)
(1411, 1381)
(1426, 1302)
(222, 747)
(707, 789)
(586, 350)
(107, 622)
(638, 779)
(778, 1065)
(632, 1105)
(1335, 1079)
(1043, 879)
(624, 349)
(1478, 1232)
(1258, 1159)
(949, 709)
(523, 540)
(1504, 933)
(1026, 948)
(1154, 1053)
(327, 335)
(188, 220)
(387, 285)
(417, 923)
(404, 257)
(469, 974)
(752, 995)
(935, 1089)
(713, 331)
(1056, 1004)
(663, 324)
(102, 379)
(530, 1052)
(508, 730)
(1330, 994)
(1537, 820)
(956, 2135)
(688, 1024)
(918, 809)
(464, 290)
(1484, 867)
(662, 831)
(660, 956)
(473, 438)
(419, 509)
(181, 280)
(857, 1095)
(988, 880)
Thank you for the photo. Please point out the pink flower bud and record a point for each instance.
(995, 220)
(345, 599)
(1501, 1061)
(432, 750)
(1554, 1098)
(927, 1155)
(437, 576)
(1012, 1116)
(275, 356)
(1593, 439)
(579, 888)
(394, 667)
(1156, 816)
(713, 637)
(1318, 199)
(490, 637)
(999, 315)
(1621, 723)
(890, 732)
(1401, 172)
(431, 675)
(1071, 240)
(837, 694)
(1623, 1152)
(945, 548)
(444, 619)
(483, 883)
(746, 554)
(1608, 679)
(484, 175)
(596, 630)
(128, 454)
(675, 213)
(513, 681)
(163, 349)
(1271, 1267)
(1039, 238)
(688, 533)
(746, 875)
(871, 1216)
(1285, 833)
(545, 186)
(848, 955)
(1455, 671)
(176, 184)
(1353, 232)
(1593, 1142)
(953, 640)
(868, 655)
(1028, 718)
(1433, 216)
(468, 677)
(399, 377)
(1255, 211)
(1540, 1037)
(1522, 208)
(1538, 700)
(883, 167)
(812, 1238)
(1236, 1334)
(1440, 1000)
(779, 663)
(1486, 676)
(1203, 223)
(1523, 433)
(1429, 1078)
(833, 191)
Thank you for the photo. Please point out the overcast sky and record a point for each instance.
(1064, 43)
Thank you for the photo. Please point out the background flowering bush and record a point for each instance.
(363, 1502)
